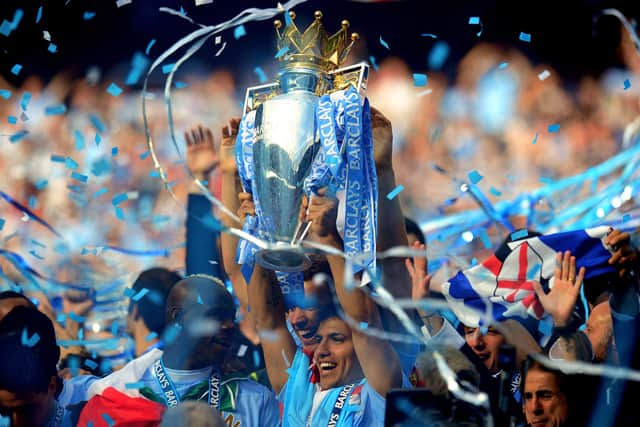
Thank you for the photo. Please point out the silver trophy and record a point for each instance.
(286, 136)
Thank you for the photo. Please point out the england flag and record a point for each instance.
(502, 286)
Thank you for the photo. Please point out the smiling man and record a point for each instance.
(486, 346)
(201, 313)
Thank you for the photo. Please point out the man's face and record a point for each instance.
(305, 320)
(30, 410)
(544, 404)
(216, 337)
(335, 356)
(486, 347)
(599, 330)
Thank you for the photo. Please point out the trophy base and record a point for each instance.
(288, 259)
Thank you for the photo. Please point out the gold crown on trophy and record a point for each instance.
(313, 48)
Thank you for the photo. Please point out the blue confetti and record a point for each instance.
(181, 85)
(26, 97)
(144, 155)
(239, 31)
(372, 60)
(393, 193)
(152, 336)
(256, 358)
(128, 292)
(29, 341)
(2, 222)
(12, 120)
(503, 65)
(495, 192)
(384, 43)
(69, 163)
(114, 90)
(101, 167)
(364, 325)
(108, 419)
(55, 110)
(18, 136)
(15, 70)
(149, 46)
(41, 184)
(114, 151)
(282, 51)
(33, 202)
(79, 177)
(35, 254)
(535, 139)
(119, 213)
(57, 159)
(5, 28)
(119, 198)
(97, 139)
(520, 234)
(262, 77)
(17, 17)
(484, 237)
(88, 15)
(474, 20)
(138, 385)
(90, 364)
(5, 93)
(97, 123)
(79, 138)
(167, 68)
(419, 79)
(76, 318)
(625, 218)
(433, 36)
(554, 128)
(525, 37)
(475, 177)
(154, 174)
(39, 15)
(61, 317)
(137, 297)
(627, 84)
(438, 55)
(52, 48)
(139, 64)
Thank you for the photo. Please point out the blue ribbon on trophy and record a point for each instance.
(310, 129)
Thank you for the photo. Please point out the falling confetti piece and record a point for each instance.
(151, 336)
(384, 43)
(52, 48)
(18, 136)
(79, 177)
(88, 15)
(475, 177)
(433, 36)
(261, 75)
(372, 60)
(503, 65)
(495, 192)
(420, 80)
(39, 15)
(5, 93)
(114, 151)
(46, 35)
(97, 123)
(149, 46)
(535, 139)
(282, 51)
(114, 90)
(69, 163)
(474, 20)
(239, 31)
(554, 128)
(393, 193)
(221, 49)
(520, 234)
(525, 37)
(15, 70)
(166, 69)
(121, 3)
(2, 221)
(484, 237)
(5, 28)
(55, 110)
(12, 120)
(119, 198)
(544, 75)
(26, 97)
(627, 84)
(29, 341)
(438, 55)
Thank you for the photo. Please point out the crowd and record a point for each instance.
(97, 328)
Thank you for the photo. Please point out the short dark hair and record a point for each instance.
(412, 227)
(14, 294)
(27, 362)
(158, 281)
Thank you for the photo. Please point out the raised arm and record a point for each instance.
(230, 188)
(268, 315)
(378, 359)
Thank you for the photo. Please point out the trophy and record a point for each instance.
(286, 134)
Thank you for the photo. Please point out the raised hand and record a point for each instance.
(420, 280)
(322, 213)
(382, 139)
(247, 207)
(625, 257)
(561, 299)
(227, 146)
(201, 154)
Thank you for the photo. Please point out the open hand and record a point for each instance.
(227, 146)
(247, 207)
(322, 213)
(420, 280)
(201, 154)
(561, 299)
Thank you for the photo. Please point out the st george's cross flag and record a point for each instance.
(502, 286)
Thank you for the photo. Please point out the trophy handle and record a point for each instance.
(355, 75)
(256, 95)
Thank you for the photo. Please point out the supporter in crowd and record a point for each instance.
(31, 392)
(145, 319)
